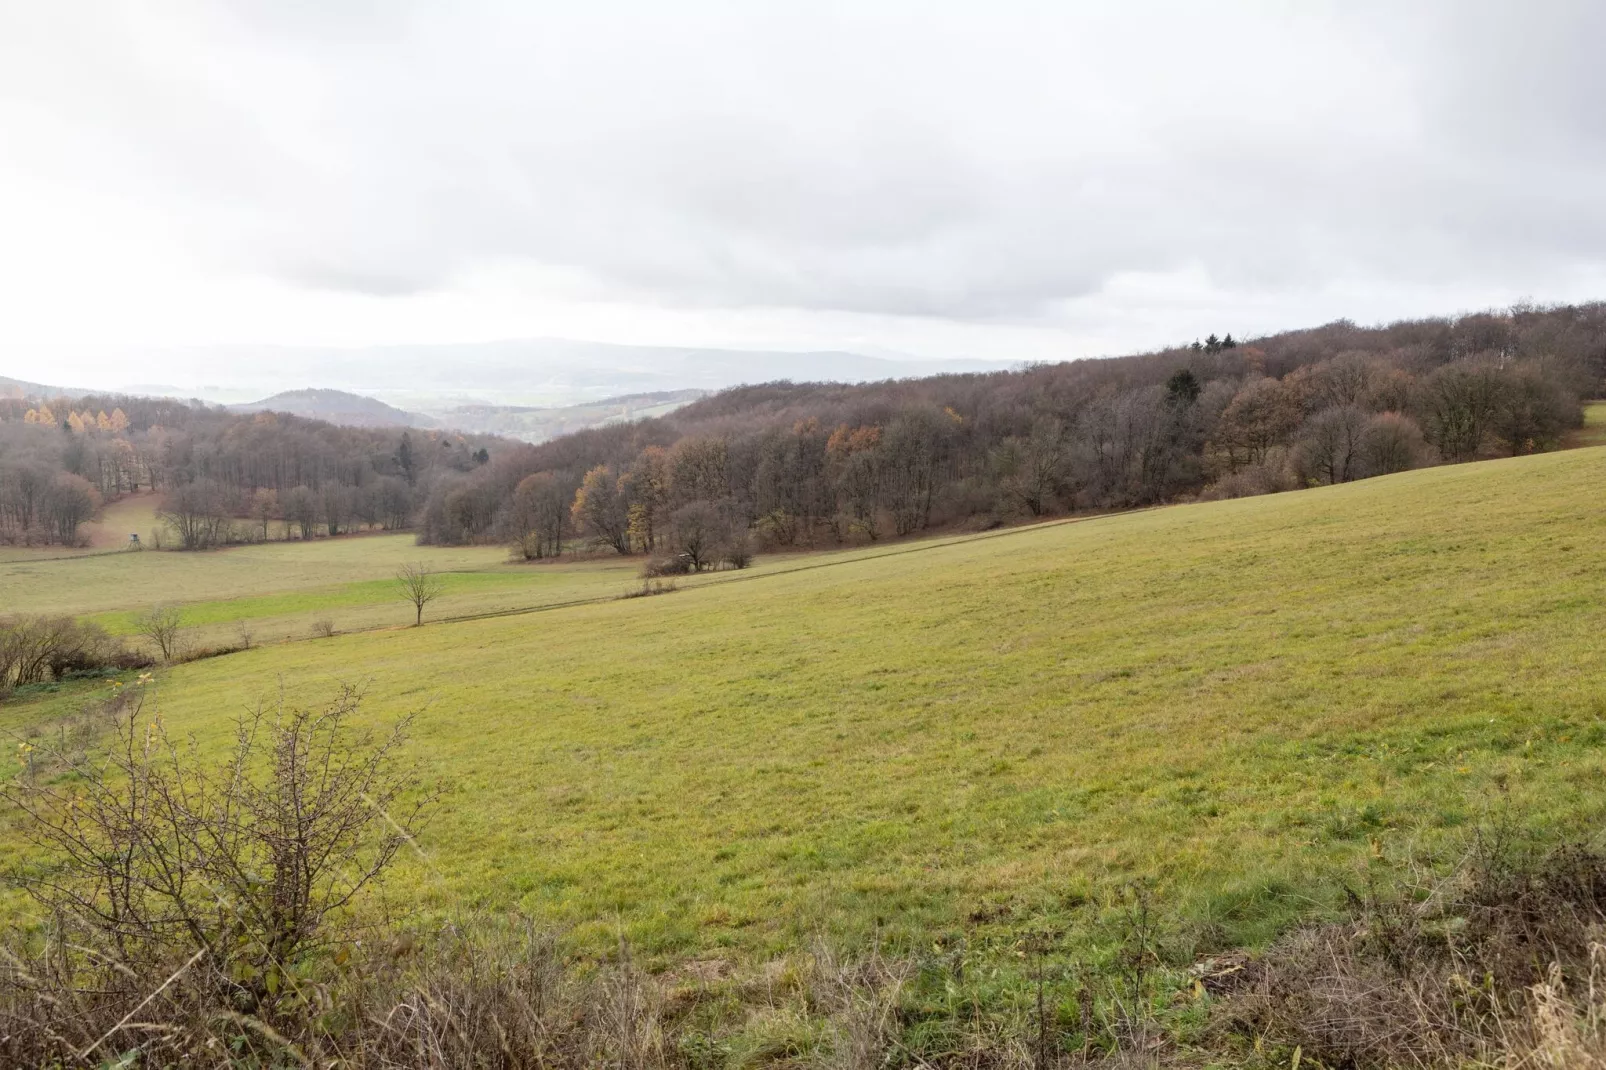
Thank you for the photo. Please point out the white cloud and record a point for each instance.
(1013, 180)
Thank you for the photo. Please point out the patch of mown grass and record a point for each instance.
(132, 580)
(459, 590)
(1593, 433)
(1239, 702)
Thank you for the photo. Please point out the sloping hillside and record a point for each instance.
(1238, 699)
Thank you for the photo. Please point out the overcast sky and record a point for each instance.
(987, 179)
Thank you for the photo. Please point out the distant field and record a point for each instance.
(1242, 700)
(1593, 433)
(279, 590)
(133, 515)
(136, 579)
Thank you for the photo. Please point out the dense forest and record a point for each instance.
(805, 464)
(61, 458)
(794, 464)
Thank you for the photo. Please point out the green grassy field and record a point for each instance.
(1241, 700)
(280, 589)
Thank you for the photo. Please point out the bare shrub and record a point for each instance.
(233, 882)
(650, 587)
(668, 565)
(738, 550)
(34, 649)
(1444, 971)
(1249, 481)
(323, 628)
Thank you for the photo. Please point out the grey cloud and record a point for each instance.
(958, 161)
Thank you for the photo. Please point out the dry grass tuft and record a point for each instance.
(1499, 963)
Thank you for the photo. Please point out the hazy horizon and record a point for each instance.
(542, 372)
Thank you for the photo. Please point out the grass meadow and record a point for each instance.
(948, 742)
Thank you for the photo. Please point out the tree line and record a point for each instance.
(223, 476)
(805, 464)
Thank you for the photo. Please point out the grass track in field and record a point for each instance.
(1236, 698)
(1593, 433)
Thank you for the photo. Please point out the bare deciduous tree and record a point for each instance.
(72, 501)
(1330, 444)
(198, 515)
(697, 531)
(163, 626)
(300, 507)
(420, 586)
(264, 507)
(1391, 443)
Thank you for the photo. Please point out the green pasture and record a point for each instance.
(1243, 701)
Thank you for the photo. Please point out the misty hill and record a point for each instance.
(529, 423)
(540, 372)
(336, 407)
(21, 388)
(536, 424)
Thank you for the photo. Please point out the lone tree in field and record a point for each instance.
(419, 586)
(164, 627)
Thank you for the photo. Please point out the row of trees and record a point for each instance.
(204, 514)
(39, 504)
(791, 464)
